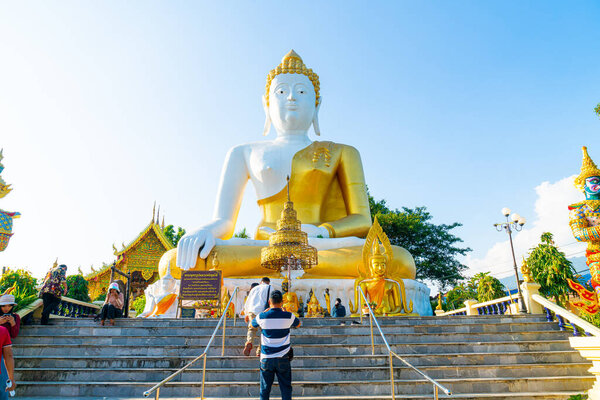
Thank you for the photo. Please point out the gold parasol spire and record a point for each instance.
(288, 246)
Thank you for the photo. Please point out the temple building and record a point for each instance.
(139, 258)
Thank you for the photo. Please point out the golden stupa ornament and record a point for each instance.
(288, 246)
(588, 168)
(526, 271)
(293, 64)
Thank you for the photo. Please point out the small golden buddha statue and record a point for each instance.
(388, 295)
(314, 308)
(328, 301)
(224, 301)
(290, 303)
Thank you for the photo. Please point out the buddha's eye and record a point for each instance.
(301, 91)
(280, 91)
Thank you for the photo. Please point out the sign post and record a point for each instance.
(200, 285)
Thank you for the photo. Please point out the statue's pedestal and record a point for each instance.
(342, 288)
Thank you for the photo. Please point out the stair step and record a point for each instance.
(300, 337)
(302, 373)
(484, 358)
(312, 388)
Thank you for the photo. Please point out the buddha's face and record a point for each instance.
(592, 187)
(291, 102)
(378, 266)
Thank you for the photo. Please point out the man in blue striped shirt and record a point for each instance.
(275, 347)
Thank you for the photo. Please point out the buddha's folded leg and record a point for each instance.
(345, 263)
(234, 261)
(244, 262)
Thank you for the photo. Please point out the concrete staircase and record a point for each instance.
(495, 357)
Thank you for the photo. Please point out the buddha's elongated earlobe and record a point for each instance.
(267, 127)
(315, 120)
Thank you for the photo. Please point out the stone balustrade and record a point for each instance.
(68, 308)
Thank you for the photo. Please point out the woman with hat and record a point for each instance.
(8, 319)
(113, 305)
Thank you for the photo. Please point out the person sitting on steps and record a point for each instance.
(113, 304)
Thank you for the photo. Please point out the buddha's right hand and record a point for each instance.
(189, 246)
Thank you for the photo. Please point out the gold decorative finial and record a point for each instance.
(55, 263)
(526, 271)
(292, 64)
(588, 168)
(163, 222)
(288, 187)
(371, 249)
(158, 215)
(154, 211)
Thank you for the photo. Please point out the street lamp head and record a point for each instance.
(516, 217)
(506, 211)
(522, 221)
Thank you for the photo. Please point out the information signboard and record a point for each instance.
(200, 285)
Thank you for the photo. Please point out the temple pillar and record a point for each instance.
(529, 289)
(589, 347)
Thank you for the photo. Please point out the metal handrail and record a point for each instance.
(391, 353)
(156, 388)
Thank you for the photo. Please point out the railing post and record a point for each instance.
(203, 376)
(224, 327)
(392, 375)
(469, 304)
(435, 392)
(372, 340)
(157, 394)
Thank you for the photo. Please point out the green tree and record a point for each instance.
(139, 304)
(21, 277)
(173, 236)
(434, 247)
(597, 109)
(551, 269)
(488, 287)
(77, 288)
(25, 291)
(242, 234)
(481, 287)
(455, 298)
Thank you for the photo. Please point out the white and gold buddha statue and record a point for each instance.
(327, 186)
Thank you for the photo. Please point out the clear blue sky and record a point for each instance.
(463, 107)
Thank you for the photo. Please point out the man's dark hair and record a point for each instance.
(338, 300)
(266, 280)
(253, 285)
(276, 297)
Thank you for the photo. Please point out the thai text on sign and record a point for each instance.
(200, 285)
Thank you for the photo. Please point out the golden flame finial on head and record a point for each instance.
(588, 168)
(376, 238)
(292, 64)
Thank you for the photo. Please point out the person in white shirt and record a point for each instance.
(256, 302)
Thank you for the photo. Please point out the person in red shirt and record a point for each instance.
(7, 363)
(8, 319)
